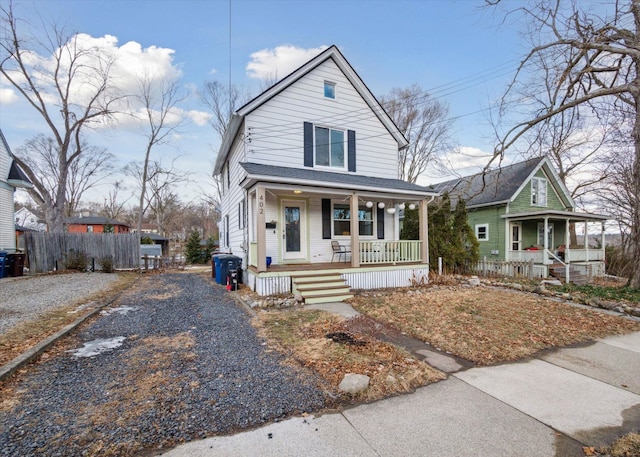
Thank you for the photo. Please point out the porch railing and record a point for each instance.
(526, 256)
(403, 251)
(582, 255)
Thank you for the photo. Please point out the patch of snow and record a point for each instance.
(122, 310)
(98, 346)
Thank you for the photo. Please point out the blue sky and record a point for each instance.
(461, 53)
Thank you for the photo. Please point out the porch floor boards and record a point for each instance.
(326, 266)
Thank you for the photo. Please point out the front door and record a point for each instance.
(516, 236)
(294, 231)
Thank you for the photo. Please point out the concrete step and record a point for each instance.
(316, 279)
(316, 285)
(321, 288)
(342, 290)
(327, 298)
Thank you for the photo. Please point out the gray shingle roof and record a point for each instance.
(280, 174)
(493, 186)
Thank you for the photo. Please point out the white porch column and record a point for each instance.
(586, 240)
(355, 235)
(545, 241)
(567, 241)
(423, 220)
(261, 238)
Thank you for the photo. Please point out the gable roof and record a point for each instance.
(16, 177)
(330, 53)
(310, 177)
(502, 185)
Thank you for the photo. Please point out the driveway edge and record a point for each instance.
(8, 369)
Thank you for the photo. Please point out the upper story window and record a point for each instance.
(329, 147)
(538, 192)
(329, 90)
(89, 228)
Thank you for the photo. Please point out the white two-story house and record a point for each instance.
(11, 178)
(310, 188)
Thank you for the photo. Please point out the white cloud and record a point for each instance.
(279, 61)
(199, 118)
(7, 96)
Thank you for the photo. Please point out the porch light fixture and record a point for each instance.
(381, 205)
(391, 210)
(297, 191)
(369, 204)
(401, 205)
(412, 206)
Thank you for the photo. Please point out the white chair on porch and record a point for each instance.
(340, 250)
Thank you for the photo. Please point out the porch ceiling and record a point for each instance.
(571, 216)
(323, 181)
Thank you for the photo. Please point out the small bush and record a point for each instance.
(107, 264)
(76, 260)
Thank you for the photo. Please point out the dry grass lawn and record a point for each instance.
(302, 335)
(487, 325)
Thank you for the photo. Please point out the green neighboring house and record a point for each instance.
(512, 208)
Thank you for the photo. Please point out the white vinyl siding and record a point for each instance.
(7, 218)
(232, 174)
(275, 129)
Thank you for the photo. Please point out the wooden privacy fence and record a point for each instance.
(48, 251)
(488, 267)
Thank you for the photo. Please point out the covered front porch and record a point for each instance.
(544, 238)
(333, 224)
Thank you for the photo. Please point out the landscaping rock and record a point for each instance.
(473, 281)
(595, 302)
(354, 383)
(540, 289)
(551, 282)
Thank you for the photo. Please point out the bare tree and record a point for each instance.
(67, 82)
(222, 102)
(159, 99)
(113, 207)
(595, 51)
(160, 197)
(424, 123)
(41, 155)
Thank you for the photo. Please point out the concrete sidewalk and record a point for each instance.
(548, 406)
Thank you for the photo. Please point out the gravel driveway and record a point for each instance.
(172, 360)
(27, 298)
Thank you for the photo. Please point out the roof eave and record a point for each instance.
(251, 180)
(227, 142)
(19, 183)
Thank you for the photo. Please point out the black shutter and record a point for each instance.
(326, 218)
(308, 144)
(351, 149)
(380, 223)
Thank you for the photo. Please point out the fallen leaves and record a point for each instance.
(489, 326)
(303, 335)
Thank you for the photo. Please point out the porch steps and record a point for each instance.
(575, 276)
(321, 287)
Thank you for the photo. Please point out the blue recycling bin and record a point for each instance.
(217, 272)
(4, 264)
